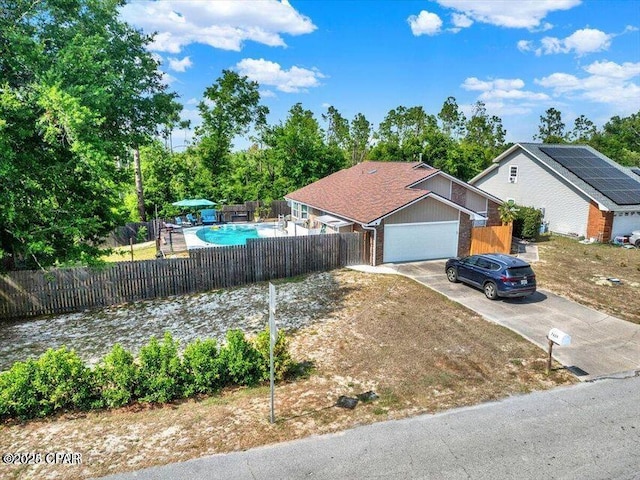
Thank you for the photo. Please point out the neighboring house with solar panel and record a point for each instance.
(579, 190)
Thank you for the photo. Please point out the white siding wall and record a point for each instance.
(566, 208)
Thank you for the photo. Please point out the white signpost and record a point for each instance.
(273, 336)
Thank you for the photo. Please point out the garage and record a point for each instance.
(406, 242)
(625, 223)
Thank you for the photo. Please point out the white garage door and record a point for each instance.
(625, 224)
(405, 242)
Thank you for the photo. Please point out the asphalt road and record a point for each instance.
(601, 345)
(587, 431)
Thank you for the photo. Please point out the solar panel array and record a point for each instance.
(607, 179)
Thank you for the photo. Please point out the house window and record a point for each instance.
(299, 211)
(513, 174)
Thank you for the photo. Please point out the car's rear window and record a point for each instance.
(519, 271)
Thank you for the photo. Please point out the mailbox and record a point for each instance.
(559, 337)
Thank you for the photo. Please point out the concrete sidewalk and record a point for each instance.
(601, 346)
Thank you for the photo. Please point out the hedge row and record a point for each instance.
(59, 379)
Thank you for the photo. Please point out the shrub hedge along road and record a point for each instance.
(60, 381)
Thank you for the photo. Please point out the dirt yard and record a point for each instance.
(418, 351)
(580, 272)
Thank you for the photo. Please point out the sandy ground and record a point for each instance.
(362, 332)
(205, 315)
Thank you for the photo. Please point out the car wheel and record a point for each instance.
(490, 290)
(452, 275)
(638, 243)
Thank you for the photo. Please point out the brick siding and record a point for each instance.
(458, 194)
(464, 235)
(600, 224)
(493, 215)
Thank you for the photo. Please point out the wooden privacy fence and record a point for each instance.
(29, 293)
(491, 239)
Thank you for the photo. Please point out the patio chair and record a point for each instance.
(179, 223)
(192, 219)
(208, 216)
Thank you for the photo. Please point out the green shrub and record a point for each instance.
(62, 381)
(240, 361)
(282, 362)
(202, 367)
(161, 373)
(18, 395)
(527, 223)
(116, 375)
(141, 234)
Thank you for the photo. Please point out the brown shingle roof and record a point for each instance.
(367, 191)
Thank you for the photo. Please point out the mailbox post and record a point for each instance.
(556, 337)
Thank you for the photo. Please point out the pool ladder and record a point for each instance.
(282, 223)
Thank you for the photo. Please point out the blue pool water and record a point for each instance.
(227, 234)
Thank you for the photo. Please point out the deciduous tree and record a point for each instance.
(78, 90)
(231, 106)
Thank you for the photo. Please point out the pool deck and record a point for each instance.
(172, 242)
(184, 239)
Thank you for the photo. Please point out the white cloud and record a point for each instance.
(581, 42)
(267, 94)
(505, 96)
(559, 82)
(473, 83)
(550, 45)
(510, 14)
(506, 109)
(625, 71)
(513, 94)
(426, 23)
(607, 83)
(264, 72)
(167, 79)
(525, 45)
(224, 24)
(460, 20)
(179, 65)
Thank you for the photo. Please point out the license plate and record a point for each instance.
(523, 282)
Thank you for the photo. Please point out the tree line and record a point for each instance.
(302, 148)
(86, 122)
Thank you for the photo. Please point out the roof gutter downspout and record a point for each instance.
(372, 227)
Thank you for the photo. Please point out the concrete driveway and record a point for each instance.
(601, 345)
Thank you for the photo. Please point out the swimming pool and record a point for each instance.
(230, 234)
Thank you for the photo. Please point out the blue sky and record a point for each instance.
(365, 56)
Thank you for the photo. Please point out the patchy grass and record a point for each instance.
(417, 350)
(141, 251)
(580, 272)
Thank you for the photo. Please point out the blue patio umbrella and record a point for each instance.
(198, 202)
